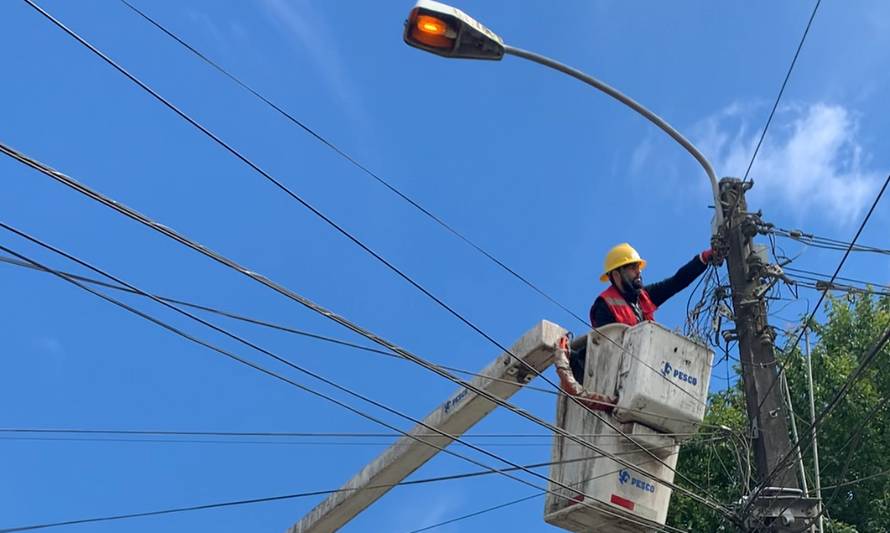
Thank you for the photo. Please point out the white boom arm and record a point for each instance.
(460, 412)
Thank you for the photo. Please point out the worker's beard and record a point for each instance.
(631, 284)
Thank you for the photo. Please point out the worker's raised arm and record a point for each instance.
(663, 290)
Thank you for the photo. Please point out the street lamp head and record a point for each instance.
(449, 32)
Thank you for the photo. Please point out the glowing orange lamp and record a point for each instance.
(449, 32)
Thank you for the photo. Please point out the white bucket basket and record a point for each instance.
(663, 381)
(657, 407)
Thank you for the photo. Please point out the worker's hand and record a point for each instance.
(708, 257)
(599, 402)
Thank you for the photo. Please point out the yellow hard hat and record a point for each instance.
(618, 256)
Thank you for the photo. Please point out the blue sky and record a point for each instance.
(539, 170)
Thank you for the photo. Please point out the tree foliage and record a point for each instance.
(854, 439)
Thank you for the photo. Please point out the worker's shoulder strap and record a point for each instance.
(612, 297)
(626, 313)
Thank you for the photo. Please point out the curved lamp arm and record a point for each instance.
(630, 102)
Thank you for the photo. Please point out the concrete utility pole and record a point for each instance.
(782, 506)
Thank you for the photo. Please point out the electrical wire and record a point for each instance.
(806, 324)
(816, 276)
(822, 242)
(480, 512)
(870, 356)
(342, 153)
(485, 394)
(511, 502)
(323, 338)
(263, 323)
(501, 506)
(357, 242)
(770, 118)
(221, 351)
(858, 480)
(251, 442)
(856, 437)
(268, 499)
(772, 112)
(837, 287)
(783, 86)
(252, 501)
(300, 434)
(135, 215)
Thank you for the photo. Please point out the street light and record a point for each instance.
(449, 32)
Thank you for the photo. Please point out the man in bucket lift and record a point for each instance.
(627, 300)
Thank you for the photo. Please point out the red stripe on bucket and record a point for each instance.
(623, 502)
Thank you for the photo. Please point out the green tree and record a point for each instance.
(854, 440)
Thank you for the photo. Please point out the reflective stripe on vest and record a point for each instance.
(622, 311)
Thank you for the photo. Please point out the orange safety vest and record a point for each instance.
(622, 311)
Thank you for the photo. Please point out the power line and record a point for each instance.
(509, 503)
(258, 322)
(252, 501)
(772, 112)
(480, 512)
(856, 437)
(330, 222)
(306, 443)
(843, 391)
(348, 391)
(853, 377)
(441, 303)
(281, 186)
(350, 159)
(858, 480)
(288, 329)
(816, 276)
(263, 323)
(291, 330)
(241, 360)
(806, 323)
(344, 389)
(135, 215)
(293, 434)
(821, 242)
(824, 286)
(295, 331)
(754, 157)
(368, 250)
(500, 506)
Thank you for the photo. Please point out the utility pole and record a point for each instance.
(781, 506)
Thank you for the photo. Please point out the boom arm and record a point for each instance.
(463, 409)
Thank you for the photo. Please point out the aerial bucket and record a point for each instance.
(661, 382)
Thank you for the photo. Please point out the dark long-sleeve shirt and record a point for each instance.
(659, 292)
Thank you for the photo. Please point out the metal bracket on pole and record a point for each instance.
(782, 510)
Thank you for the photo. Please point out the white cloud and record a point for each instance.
(204, 21)
(50, 346)
(640, 156)
(811, 163)
(417, 513)
(301, 21)
(52, 354)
